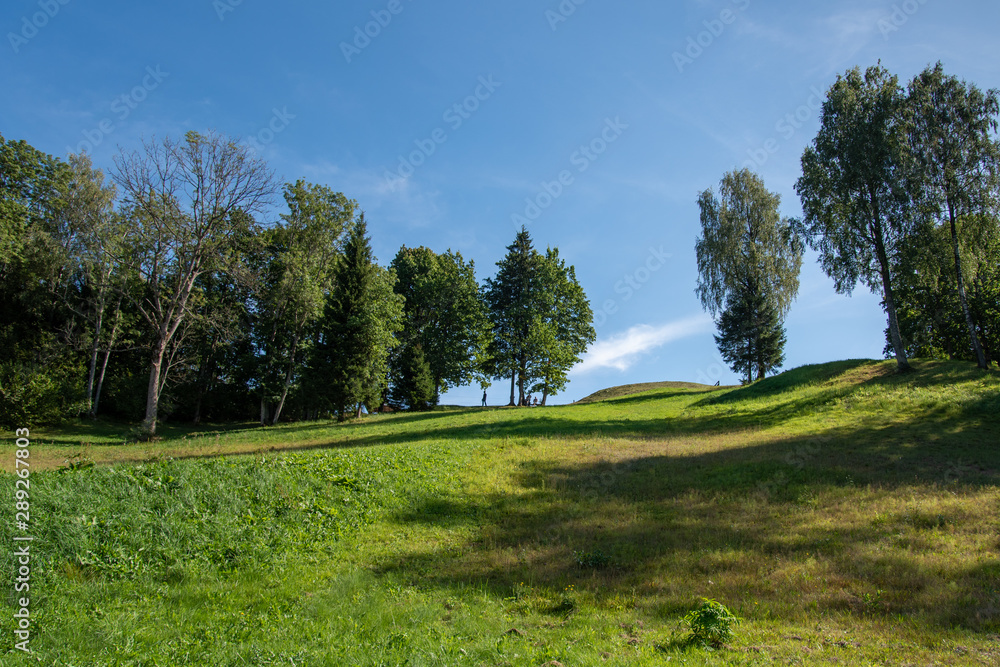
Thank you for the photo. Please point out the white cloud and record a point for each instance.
(623, 349)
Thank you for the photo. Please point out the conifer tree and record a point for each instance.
(350, 361)
(751, 337)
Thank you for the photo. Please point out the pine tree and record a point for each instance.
(751, 337)
(350, 361)
(512, 301)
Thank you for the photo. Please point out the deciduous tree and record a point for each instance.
(443, 314)
(749, 259)
(957, 163)
(189, 201)
(856, 188)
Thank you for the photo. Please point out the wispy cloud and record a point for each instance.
(622, 350)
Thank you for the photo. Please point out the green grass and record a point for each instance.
(846, 514)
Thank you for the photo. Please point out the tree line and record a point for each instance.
(164, 292)
(900, 191)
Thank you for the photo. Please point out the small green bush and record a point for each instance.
(711, 624)
(595, 560)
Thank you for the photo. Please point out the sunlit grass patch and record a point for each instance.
(845, 513)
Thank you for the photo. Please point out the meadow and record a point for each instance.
(846, 514)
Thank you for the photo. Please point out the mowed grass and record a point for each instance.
(847, 514)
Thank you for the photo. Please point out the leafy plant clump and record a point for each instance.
(711, 624)
(595, 560)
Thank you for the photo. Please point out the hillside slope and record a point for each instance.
(846, 513)
(638, 388)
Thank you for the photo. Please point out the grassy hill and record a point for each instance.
(847, 514)
(629, 389)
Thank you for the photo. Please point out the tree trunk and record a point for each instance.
(520, 384)
(100, 383)
(153, 390)
(960, 279)
(288, 381)
(92, 371)
(263, 411)
(890, 307)
(107, 355)
(890, 303)
(512, 376)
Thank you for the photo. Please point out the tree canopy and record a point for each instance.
(856, 191)
(749, 259)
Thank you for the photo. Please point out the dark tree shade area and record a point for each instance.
(164, 292)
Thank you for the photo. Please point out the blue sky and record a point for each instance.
(597, 123)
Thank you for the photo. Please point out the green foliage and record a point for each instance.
(957, 163)
(592, 560)
(190, 207)
(751, 338)
(542, 321)
(857, 197)
(412, 383)
(41, 371)
(511, 299)
(749, 260)
(350, 362)
(931, 318)
(746, 244)
(295, 268)
(710, 624)
(39, 394)
(561, 329)
(443, 313)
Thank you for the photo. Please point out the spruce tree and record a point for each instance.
(512, 301)
(751, 337)
(350, 360)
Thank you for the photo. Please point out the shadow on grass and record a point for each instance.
(743, 525)
(791, 380)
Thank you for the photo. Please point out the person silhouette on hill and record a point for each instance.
(484, 399)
